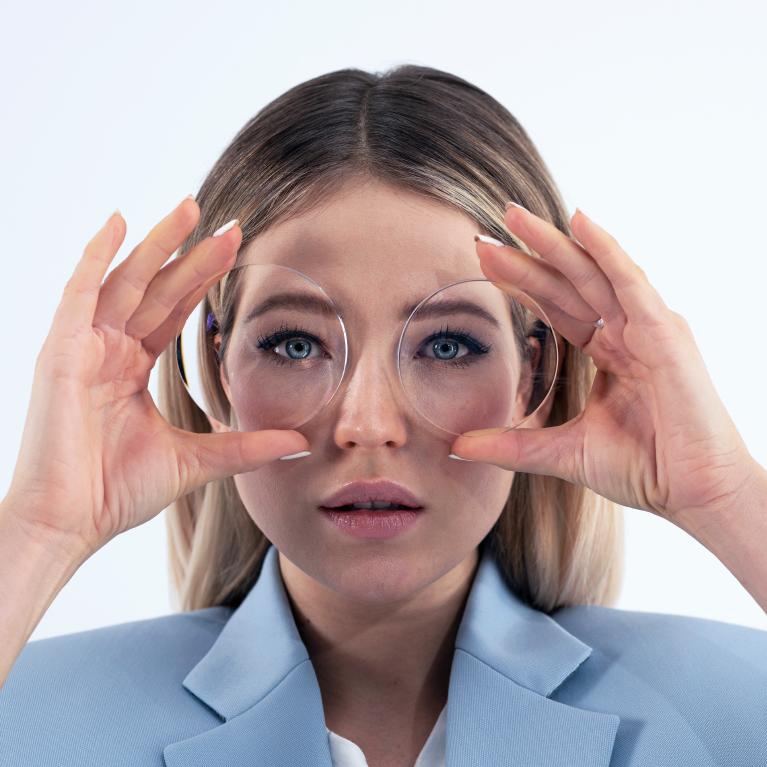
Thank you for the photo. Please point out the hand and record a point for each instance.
(97, 457)
(654, 434)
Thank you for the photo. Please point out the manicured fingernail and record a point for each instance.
(458, 458)
(489, 240)
(226, 227)
(295, 455)
(189, 197)
(516, 205)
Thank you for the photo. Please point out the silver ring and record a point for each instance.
(600, 323)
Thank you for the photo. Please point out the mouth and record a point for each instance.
(373, 519)
(373, 506)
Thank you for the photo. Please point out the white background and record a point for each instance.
(651, 116)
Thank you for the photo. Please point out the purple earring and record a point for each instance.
(211, 322)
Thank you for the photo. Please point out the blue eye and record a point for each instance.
(444, 345)
(299, 345)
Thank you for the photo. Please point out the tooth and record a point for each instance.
(375, 505)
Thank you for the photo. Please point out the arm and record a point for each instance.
(33, 569)
(736, 534)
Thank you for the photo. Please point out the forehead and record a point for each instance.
(370, 242)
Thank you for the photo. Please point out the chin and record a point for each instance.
(368, 572)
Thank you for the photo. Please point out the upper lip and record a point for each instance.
(372, 490)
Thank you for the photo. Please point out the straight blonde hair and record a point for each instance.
(432, 133)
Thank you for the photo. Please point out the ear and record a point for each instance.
(536, 420)
(217, 426)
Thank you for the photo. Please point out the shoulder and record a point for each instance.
(639, 639)
(144, 652)
(122, 681)
(673, 678)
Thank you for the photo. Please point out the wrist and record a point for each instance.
(34, 567)
(731, 511)
(735, 532)
(57, 548)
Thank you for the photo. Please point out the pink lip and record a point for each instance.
(372, 490)
(371, 523)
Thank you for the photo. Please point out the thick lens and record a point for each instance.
(471, 356)
(274, 357)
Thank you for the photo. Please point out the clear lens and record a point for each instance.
(275, 362)
(471, 356)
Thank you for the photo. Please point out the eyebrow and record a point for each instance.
(311, 303)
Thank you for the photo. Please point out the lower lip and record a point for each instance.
(367, 523)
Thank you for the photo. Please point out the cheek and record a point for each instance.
(269, 496)
(478, 494)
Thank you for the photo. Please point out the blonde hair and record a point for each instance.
(431, 133)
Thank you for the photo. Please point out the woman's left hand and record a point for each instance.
(654, 434)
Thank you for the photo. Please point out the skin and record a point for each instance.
(378, 617)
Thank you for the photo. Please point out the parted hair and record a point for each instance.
(432, 133)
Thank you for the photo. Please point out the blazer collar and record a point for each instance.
(508, 659)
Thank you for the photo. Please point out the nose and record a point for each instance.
(371, 409)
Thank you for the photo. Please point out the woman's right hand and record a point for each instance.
(97, 457)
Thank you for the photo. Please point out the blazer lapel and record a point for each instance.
(259, 679)
(508, 659)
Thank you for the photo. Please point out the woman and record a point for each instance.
(300, 644)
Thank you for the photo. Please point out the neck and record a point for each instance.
(378, 660)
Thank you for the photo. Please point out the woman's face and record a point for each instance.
(374, 249)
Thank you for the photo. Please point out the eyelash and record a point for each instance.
(476, 347)
(284, 333)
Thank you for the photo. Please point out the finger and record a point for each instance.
(550, 451)
(174, 282)
(533, 275)
(577, 332)
(572, 260)
(157, 341)
(640, 301)
(217, 456)
(124, 287)
(81, 292)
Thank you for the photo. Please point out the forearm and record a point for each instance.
(33, 569)
(737, 535)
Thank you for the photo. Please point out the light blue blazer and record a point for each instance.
(587, 686)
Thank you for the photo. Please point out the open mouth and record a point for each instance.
(372, 505)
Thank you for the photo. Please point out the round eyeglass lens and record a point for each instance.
(472, 356)
(271, 359)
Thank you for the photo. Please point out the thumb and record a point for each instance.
(217, 456)
(551, 451)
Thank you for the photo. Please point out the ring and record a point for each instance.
(600, 323)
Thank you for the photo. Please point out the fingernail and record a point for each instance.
(516, 205)
(489, 240)
(226, 227)
(458, 458)
(295, 455)
(483, 432)
(189, 197)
